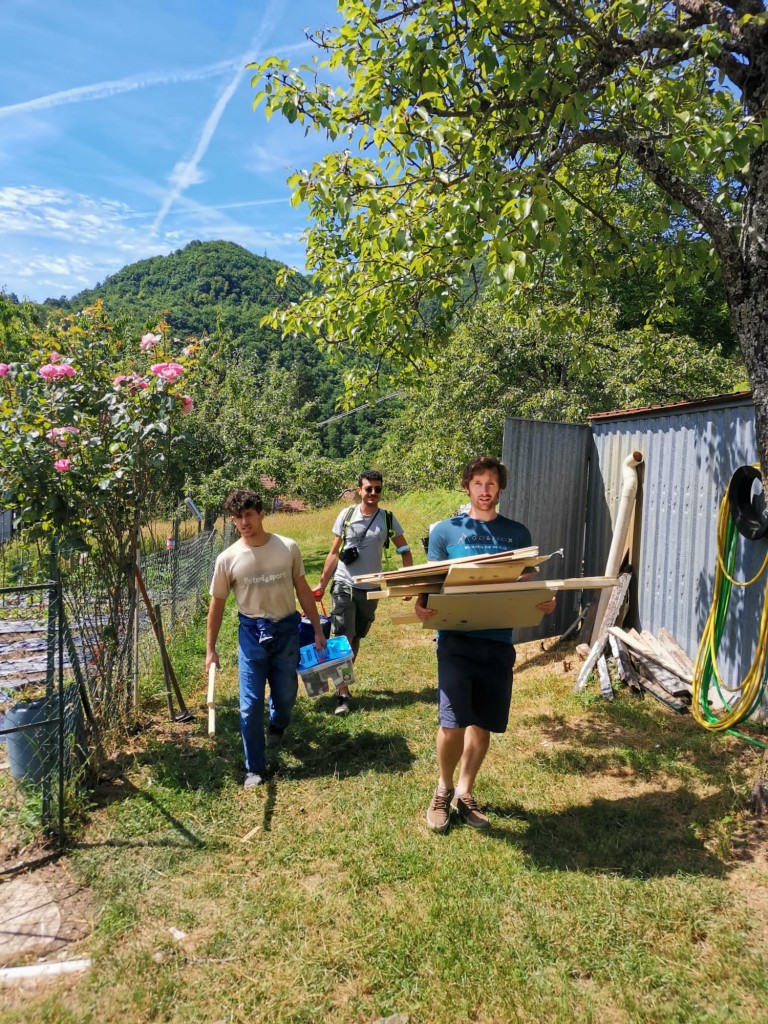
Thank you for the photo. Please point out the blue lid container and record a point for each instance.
(338, 649)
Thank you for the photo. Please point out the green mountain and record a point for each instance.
(223, 290)
(204, 288)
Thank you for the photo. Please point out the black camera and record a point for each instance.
(349, 555)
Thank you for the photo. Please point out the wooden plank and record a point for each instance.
(636, 644)
(482, 611)
(606, 689)
(211, 700)
(626, 669)
(663, 697)
(410, 591)
(675, 651)
(615, 602)
(576, 583)
(495, 572)
(435, 568)
(670, 682)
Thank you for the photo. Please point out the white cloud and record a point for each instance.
(185, 174)
(54, 213)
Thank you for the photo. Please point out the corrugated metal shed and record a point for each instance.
(547, 491)
(690, 452)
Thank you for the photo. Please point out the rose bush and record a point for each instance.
(84, 387)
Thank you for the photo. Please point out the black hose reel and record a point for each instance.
(748, 510)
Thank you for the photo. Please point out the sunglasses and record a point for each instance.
(372, 490)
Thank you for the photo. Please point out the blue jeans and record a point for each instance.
(275, 663)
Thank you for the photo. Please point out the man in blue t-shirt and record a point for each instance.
(474, 668)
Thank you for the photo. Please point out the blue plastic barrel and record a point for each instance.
(32, 752)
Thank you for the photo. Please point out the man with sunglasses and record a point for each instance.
(360, 535)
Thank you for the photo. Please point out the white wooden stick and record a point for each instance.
(211, 700)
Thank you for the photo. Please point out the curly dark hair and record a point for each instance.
(480, 465)
(370, 474)
(238, 501)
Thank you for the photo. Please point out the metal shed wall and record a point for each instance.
(547, 491)
(690, 455)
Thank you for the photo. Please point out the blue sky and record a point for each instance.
(127, 130)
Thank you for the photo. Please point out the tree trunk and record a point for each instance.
(748, 295)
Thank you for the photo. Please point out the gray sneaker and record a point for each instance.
(252, 779)
(439, 810)
(342, 706)
(469, 812)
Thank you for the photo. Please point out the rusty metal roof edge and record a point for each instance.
(733, 398)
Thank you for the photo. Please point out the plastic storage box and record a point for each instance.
(333, 668)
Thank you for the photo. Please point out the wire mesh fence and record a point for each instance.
(74, 640)
(41, 711)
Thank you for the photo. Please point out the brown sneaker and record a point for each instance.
(439, 810)
(469, 812)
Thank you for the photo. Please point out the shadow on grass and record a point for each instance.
(317, 744)
(383, 700)
(636, 837)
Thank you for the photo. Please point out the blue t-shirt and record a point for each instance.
(462, 536)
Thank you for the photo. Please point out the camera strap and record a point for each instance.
(348, 519)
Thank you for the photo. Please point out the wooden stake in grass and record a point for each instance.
(211, 700)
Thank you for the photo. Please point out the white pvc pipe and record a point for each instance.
(18, 975)
(620, 532)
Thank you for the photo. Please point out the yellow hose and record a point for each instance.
(706, 659)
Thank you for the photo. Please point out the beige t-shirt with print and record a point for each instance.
(262, 578)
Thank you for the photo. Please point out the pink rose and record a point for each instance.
(148, 341)
(187, 405)
(133, 380)
(61, 435)
(168, 371)
(62, 465)
(4, 368)
(56, 357)
(51, 372)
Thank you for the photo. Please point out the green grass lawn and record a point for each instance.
(621, 879)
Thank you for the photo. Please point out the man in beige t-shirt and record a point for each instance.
(266, 573)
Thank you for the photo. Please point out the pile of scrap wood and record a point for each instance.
(656, 665)
(478, 591)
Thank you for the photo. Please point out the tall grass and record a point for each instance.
(608, 888)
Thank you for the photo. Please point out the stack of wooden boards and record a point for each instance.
(656, 664)
(478, 591)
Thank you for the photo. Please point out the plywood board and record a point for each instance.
(482, 611)
(406, 574)
(495, 572)
(410, 591)
(575, 583)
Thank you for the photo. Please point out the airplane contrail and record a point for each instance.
(103, 90)
(186, 171)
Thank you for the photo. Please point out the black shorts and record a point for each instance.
(474, 681)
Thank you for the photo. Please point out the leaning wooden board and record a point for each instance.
(516, 606)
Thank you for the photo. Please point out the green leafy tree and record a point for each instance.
(256, 426)
(555, 362)
(513, 130)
